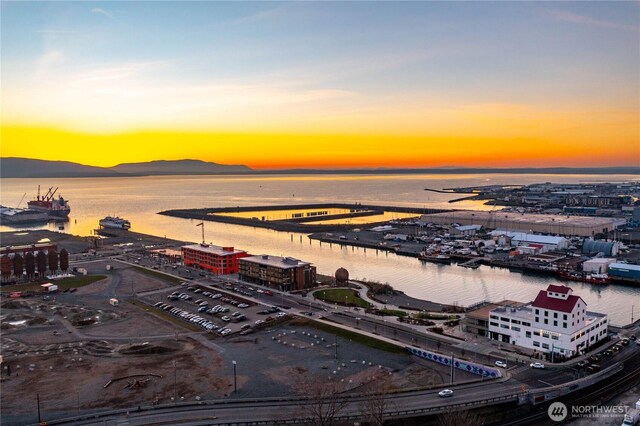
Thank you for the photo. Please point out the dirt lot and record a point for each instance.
(68, 348)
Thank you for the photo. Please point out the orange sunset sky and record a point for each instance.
(325, 85)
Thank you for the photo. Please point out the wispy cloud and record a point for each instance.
(574, 18)
(102, 12)
(46, 61)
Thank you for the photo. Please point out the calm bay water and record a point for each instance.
(139, 199)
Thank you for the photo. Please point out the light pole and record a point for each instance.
(235, 381)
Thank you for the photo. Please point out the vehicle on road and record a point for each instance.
(593, 368)
(445, 393)
(501, 364)
(536, 365)
(583, 363)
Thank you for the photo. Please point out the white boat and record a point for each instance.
(115, 222)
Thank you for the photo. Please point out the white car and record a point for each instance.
(501, 364)
(536, 365)
(258, 322)
(445, 393)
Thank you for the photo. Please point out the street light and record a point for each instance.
(235, 381)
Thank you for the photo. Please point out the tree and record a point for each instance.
(18, 266)
(53, 260)
(64, 260)
(376, 403)
(324, 403)
(41, 263)
(454, 416)
(5, 267)
(30, 265)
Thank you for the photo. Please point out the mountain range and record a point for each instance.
(11, 167)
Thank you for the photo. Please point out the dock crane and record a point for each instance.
(202, 224)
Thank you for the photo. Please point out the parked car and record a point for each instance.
(536, 365)
(583, 363)
(593, 368)
(445, 393)
(501, 364)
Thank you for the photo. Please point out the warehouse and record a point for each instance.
(525, 222)
(624, 272)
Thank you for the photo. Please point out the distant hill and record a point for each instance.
(11, 167)
(178, 167)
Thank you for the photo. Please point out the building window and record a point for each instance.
(555, 315)
(495, 324)
(555, 337)
(504, 319)
(537, 311)
(546, 313)
(515, 321)
(564, 317)
(546, 321)
(504, 326)
(537, 319)
(493, 316)
(555, 323)
(528, 334)
(536, 344)
(526, 324)
(545, 346)
(515, 328)
(545, 335)
(564, 325)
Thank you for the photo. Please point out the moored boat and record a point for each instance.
(115, 222)
(15, 215)
(439, 258)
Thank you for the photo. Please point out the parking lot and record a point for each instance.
(213, 309)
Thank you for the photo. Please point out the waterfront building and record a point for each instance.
(599, 265)
(476, 321)
(282, 273)
(557, 321)
(543, 243)
(218, 260)
(527, 222)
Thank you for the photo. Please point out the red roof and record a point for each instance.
(545, 302)
(559, 289)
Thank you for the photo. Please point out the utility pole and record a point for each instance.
(175, 382)
(452, 368)
(235, 382)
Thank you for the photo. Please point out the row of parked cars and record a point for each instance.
(193, 318)
(591, 365)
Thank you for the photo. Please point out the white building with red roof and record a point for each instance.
(556, 321)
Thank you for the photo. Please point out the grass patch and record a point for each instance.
(341, 296)
(163, 314)
(63, 284)
(349, 335)
(390, 312)
(159, 275)
(430, 316)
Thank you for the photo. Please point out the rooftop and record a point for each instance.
(217, 250)
(277, 261)
(483, 217)
(523, 312)
(483, 311)
(562, 305)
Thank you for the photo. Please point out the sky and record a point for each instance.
(322, 84)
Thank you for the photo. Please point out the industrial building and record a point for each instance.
(543, 243)
(526, 222)
(477, 321)
(218, 260)
(282, 273)
(608, 248)
(555, 322)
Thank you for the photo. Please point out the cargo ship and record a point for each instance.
(115, 222)
(57, 208)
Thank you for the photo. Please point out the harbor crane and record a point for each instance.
(202, 224)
